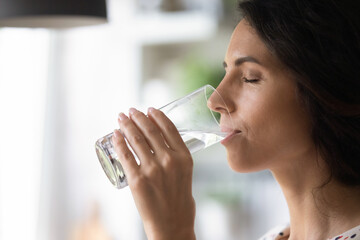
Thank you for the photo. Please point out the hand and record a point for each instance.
(162, 184)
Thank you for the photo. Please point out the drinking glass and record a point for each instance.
(197, 124)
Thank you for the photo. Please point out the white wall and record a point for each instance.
(23, 74)
(93, 79)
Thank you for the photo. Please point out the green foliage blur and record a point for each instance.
(195, 72)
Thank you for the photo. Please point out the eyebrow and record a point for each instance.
(242, 60)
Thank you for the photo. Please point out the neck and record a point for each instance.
(317, 210)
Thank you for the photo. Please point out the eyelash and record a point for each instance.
(250, 80)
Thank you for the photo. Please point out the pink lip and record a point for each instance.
(229, 136)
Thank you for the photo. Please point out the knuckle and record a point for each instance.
(138, 139)
(153, 171)
(169, 127)
(151, 129)
(168, 162)
(169, 165)
(138, 181)
(188, 157)
(189, 164)
(186, 152)
(126, 155)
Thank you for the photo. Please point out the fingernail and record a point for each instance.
(150, 109)
(122, 116)
(132, 111)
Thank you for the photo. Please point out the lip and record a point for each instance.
(230, 136)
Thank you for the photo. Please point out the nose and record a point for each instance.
(219, 102)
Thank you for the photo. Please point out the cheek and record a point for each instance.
(274, 130)
(251, 150)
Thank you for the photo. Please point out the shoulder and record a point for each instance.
(352, 234)
(277, 233)
(283, 232)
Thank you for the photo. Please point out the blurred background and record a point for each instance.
(61, 90)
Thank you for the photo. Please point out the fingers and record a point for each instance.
(124, 154)
(150, 131)
(151, 136)
(168, 129)
(135, 138)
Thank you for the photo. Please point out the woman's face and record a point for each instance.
(272, 128)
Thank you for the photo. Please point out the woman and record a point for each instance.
(292, 88)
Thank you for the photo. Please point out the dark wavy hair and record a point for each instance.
(319, 41)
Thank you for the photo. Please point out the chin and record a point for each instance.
(245, 164)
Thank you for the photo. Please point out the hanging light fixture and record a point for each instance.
(52, 13)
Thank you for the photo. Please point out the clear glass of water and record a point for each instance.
(197, 124)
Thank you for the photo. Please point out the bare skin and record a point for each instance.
(161, 185)
(275, 135)
(272, 131)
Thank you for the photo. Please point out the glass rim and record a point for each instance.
(105, 161)
(206, 87)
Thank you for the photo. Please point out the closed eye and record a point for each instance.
(250, 80)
